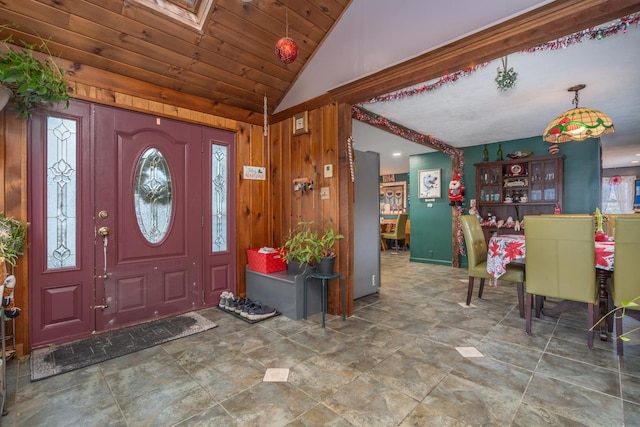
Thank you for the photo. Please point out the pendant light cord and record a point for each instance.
(286, 19)
(575, 99)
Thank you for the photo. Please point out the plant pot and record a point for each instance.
(326, 265)
(296, 267)
(5, 94)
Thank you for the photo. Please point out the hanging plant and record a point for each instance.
(506, 76)
(32, 82)
(12, 235)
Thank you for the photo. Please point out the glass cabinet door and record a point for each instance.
(490, 182)
(544, 182)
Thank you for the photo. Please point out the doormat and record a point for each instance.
(234, 314)
(57, 359)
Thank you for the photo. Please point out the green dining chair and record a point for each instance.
(560, 263)
(476, 246)
(611, 221)
(399, 231)
(626, 273)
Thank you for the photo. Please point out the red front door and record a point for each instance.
(147, 237)
(148, 213)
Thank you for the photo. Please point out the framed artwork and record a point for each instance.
(301, 123)
(429, 184)
(393, 198)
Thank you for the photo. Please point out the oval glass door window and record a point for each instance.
(153, 195)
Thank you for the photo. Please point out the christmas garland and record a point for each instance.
(620, 25)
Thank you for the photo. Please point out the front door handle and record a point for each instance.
(103, 231)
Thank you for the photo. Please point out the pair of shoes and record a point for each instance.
(232, 303)
(248, 304)
(225, 297)
(240, 303)
(258, 311)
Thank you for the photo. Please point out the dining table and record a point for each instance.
(507, 248)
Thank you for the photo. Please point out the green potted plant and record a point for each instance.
(326, 254)
(298, 248)
(304, 245)
(31, 82)
(12, 234)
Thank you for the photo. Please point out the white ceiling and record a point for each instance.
(375, 34)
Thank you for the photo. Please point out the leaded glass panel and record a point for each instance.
(219, 196)
(62, 190)
(153, 195)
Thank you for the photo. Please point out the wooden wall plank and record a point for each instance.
(302, 156)
(345, 198)
(13, 203)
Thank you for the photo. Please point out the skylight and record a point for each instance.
(190, 5)
(190, 12)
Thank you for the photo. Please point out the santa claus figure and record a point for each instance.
(456, 191)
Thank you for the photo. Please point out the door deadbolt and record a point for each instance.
(103, 231)
(103, 214)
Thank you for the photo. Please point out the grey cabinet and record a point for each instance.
(284, 291)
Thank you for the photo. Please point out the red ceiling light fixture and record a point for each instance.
(286, 47)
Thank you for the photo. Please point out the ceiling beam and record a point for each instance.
(538, 26)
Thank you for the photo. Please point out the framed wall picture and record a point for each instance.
(393, 198)
(429, 184)
(301, 123)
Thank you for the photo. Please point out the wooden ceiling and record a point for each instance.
(225, 54)
(223, 51)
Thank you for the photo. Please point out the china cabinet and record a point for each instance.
(517, 187)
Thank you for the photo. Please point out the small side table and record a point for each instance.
(324, 278)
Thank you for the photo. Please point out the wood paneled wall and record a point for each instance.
(305, 156)
(13, 202)
(265, 209)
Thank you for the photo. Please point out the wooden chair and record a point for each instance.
(477, 257)
(399, 232)
(560, 263)
(626, 274)
(407, 235)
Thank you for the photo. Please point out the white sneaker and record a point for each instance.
(223, 299)
(229, 300)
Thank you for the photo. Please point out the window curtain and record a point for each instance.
(617, 194)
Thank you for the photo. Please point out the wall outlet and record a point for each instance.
(328, 171)
(373, 280)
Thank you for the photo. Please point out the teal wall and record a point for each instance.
(431, 227)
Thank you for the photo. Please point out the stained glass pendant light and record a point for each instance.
(286, 47)
(577, 124)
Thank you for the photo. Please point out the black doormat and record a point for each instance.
(57, 359)
(246, 319)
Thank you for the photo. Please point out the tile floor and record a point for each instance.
(393, 363)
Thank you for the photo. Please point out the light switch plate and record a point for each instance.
(328, 171)
(324, 193)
